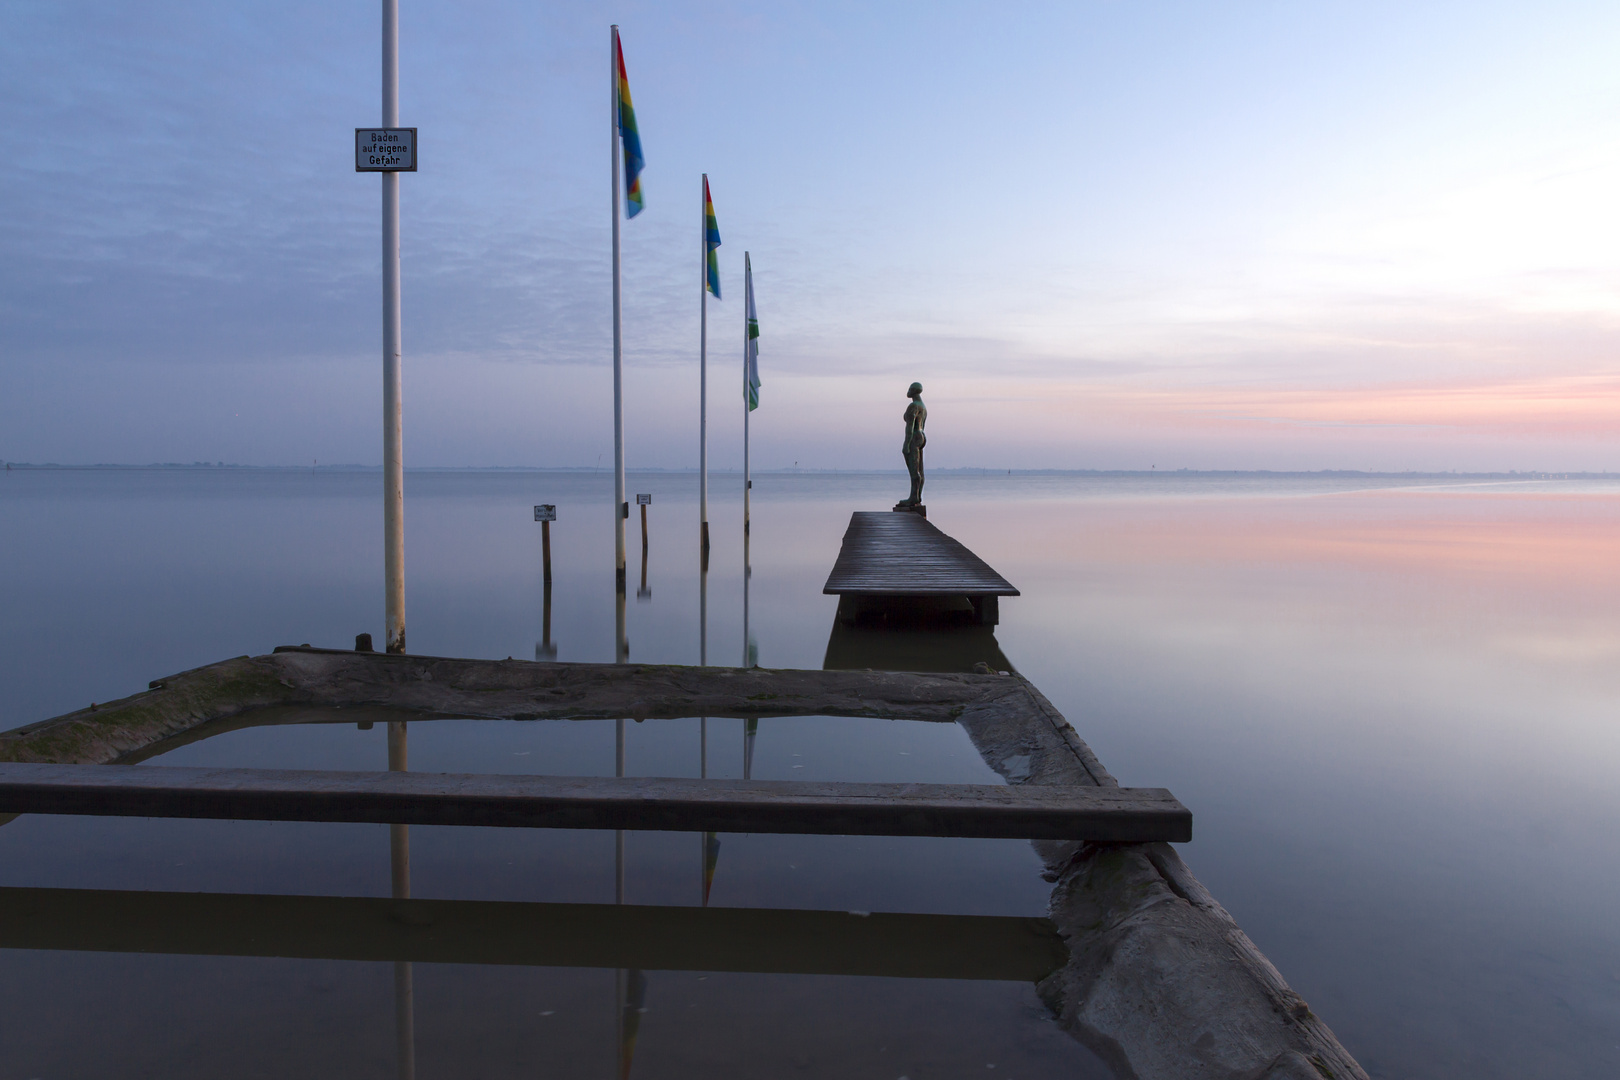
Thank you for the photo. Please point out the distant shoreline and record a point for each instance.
(960, 471)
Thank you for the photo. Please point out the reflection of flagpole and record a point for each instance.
(750, 729)
(708, 840)
(621, 509)
(399, 868)
(619, 988)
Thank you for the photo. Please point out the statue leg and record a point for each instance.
(914, 467)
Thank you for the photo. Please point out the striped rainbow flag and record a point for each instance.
(631, 138)
(711, 238)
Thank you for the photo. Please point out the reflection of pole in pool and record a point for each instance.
(633, 1002)
(750, 729)
(621, 990)
(708, 840)
(618, 835)
(399, 865)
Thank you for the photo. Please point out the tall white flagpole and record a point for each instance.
(703, 368)
(748, 483)
(621, 508)
(393, 453)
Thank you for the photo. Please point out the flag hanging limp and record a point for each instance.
(751, 391)
(711, 238)
(631, 140)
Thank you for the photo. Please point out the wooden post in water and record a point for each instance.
(644, 593)
(545, 514)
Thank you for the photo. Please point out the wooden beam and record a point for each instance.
(528, 934)
(1027, 811)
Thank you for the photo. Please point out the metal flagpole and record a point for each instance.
(393, 453)
(621, 508)
(703, 368)
(748, 483)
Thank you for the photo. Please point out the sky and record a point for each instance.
(1103, 235)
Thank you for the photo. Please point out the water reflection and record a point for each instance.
(911, 634)
(399, 865)
(508, 933)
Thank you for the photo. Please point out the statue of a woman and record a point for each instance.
(916, 418)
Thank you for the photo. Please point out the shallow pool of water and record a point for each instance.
(1390, 706)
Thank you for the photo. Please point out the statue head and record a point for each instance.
(915, 390)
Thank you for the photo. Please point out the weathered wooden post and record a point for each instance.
(545, 514)
(644, 501)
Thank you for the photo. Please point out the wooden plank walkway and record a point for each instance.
(1026, 811)
(530, 934)
(894, 553)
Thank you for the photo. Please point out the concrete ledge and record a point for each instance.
(660, 804)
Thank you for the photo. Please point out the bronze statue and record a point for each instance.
(916, 418)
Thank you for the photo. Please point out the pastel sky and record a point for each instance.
(1103, 235)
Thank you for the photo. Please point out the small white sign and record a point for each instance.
(545, 512)
(643, 500)
(384, 149)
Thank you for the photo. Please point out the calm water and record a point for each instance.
(1390, 705)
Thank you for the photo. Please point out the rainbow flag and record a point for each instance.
(711, 238)
(631, 139)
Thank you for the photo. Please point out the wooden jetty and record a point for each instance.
(884, 944)
(1159, 980)
(658, 804)
(893, 555)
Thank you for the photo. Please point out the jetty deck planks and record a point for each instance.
(890, 553)
(1026, 811)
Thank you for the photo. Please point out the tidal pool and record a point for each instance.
(1389, 703)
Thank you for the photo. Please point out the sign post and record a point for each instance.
(390, 150)
(644, 501)
(545, 514)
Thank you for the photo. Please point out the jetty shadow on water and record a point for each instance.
(915, 633)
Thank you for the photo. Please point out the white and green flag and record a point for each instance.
(751, 350)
